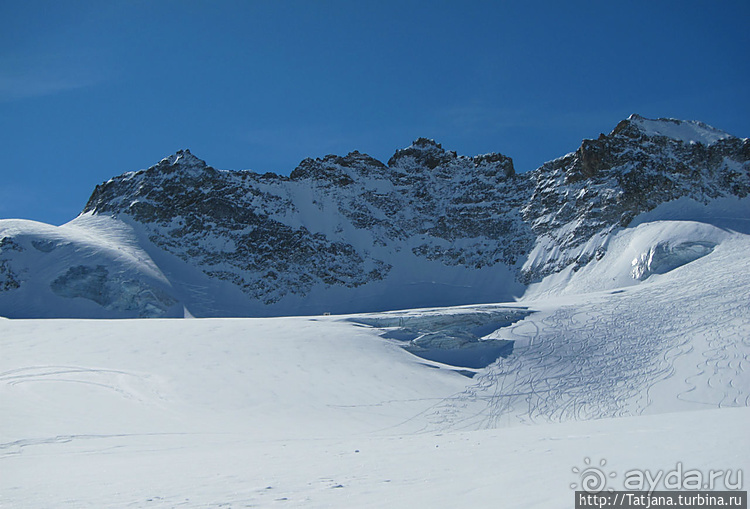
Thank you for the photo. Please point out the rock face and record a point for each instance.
(609, 181)
(8, 279)
(430, 227)
(334, 222)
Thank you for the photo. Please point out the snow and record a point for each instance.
(508, 468)
(687, 131)
(638, 356)
(629, 256)
(333, 411)
(456, 337)
(682, 222)
(90, 267)
(664, 257)
(139, 279)
(731, 213)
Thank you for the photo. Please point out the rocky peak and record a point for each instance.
(592, 158)
(458, 211)
(183, 161)
(641, 164)
(493, 164)
(424, 152)
(337, 170)
(640, 138)
(322, 170)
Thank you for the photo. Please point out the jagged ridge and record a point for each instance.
(426, 219)
(263, 239)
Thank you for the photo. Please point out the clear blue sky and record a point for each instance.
(91, 89)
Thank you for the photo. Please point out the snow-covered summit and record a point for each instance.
(686, 131)
(581, 198)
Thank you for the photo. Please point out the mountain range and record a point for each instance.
(346, 234)
(591, 322)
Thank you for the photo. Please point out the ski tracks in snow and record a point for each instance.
(675, 344)
(129, 385)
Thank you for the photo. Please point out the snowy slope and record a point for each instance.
(336, 412)
(508, 468)
(663, 239)
(91, 267)
(687, 131)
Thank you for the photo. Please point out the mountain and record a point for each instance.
(353, 234)
(628, 344)
(579, 199)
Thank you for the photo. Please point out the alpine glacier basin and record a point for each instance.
(205, 412)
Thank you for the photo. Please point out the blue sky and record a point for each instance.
(91, 89)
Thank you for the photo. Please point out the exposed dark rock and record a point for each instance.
(337, 221)
(609, 181)
(9, 280)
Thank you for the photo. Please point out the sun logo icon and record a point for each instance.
(592, 479)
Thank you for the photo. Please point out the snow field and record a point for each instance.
(333, 411)
(527, 466)
(327, 412)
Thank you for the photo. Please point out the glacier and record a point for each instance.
(664, 257)
(601, 318)
(332, 411)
